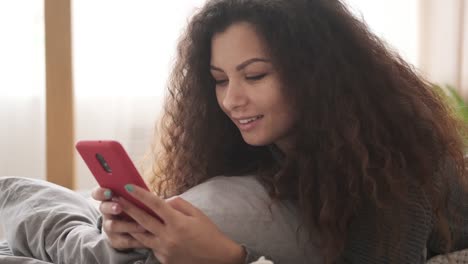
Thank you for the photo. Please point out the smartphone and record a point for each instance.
(113, 169)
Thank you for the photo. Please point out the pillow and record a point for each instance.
(241, 207)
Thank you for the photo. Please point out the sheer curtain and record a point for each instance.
(397, 22)
(22, 87)
(444, 34)
(430, 34)
(22, 84)
(122, 55)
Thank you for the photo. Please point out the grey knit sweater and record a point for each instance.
(419, 239)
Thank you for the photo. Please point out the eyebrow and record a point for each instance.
(243, 65)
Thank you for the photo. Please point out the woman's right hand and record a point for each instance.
(115, 227)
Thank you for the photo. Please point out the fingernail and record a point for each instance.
(129, 188)
(108, 194)
(115, 208)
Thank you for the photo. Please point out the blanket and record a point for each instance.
(45, 223)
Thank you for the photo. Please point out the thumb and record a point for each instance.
(183, 206)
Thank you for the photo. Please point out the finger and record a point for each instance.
(124, 241)
(158, 205)
(149, 240)
(110, 208)
(183, 206)
(147, 221)
(101, 194)
(120, 226)
(160, 257)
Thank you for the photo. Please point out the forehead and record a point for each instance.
(237, 43)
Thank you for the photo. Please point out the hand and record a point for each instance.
(116, 228)
(186, 236)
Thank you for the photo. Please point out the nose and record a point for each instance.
(234, 96)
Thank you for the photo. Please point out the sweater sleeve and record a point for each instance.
(368, 244)
(253, 257)
(419, 236)
(457, 216)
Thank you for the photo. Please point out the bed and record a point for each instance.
(55, 225)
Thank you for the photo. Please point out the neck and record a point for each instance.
(278, 153)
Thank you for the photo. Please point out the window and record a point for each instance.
(22, 88)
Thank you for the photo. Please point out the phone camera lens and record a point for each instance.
(103, 163)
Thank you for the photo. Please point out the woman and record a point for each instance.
(302, 95)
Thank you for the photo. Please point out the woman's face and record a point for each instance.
(248, 87)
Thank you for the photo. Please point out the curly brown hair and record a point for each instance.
(370, 126)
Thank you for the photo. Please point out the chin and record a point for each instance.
(257, 141)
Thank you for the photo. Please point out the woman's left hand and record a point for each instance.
(187, 234)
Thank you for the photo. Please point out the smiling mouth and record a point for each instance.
(249, 120)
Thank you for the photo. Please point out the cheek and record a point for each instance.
(285, 120)
(286, 115)
(220, 98)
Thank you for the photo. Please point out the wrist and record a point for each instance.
(236, 253)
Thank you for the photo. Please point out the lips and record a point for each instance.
(244, 121)
(248, 123)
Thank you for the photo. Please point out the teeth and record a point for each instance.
(245, 121)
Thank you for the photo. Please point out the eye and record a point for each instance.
(256, 77)
(221, 82)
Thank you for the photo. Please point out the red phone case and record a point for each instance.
(122, 171)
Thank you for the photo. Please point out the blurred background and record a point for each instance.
(97, 69)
